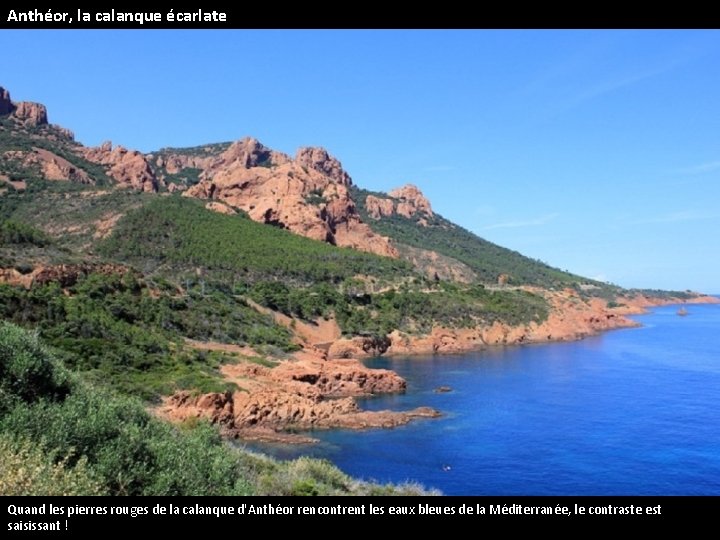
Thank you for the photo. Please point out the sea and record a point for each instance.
(629, 412)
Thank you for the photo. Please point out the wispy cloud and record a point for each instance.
(571, 81)
(700, 169)
(537, 222)
(677, 217)
(608, 86)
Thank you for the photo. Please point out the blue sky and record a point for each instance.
(596, 151)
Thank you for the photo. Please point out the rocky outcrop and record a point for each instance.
(436, 266)
(64, 132)
(411, 201)
(359, 346)
(26, 112)
(303, 394)
(52, 166)
(407, 201)
(378, 208)
(128, 167)
(6, 105)
(247, 153)
(55, 167)
(31, 114)
(308, 195)
(319, 160)
(218, 207)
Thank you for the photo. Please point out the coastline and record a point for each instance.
(317, 387)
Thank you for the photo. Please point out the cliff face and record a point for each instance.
(31, 114)
(307, 195)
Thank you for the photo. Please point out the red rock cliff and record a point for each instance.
(308, 195)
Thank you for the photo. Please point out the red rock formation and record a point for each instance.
(411, 201)
(64, 132)
(308, 196)
(319, 160)
(31, 114)
(55, 167)
(128, 167)
(378, 208)
(305, 394)
(218, 207)
(406, 201)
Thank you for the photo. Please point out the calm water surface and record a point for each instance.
(633, 411)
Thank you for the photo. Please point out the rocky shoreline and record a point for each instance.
(316, 389)
(305, 393)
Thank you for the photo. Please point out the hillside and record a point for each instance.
(239, 284)
(399, 216)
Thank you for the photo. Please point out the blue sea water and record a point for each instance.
(630, 412)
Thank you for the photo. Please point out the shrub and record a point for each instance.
(27, 469)
(26, 369)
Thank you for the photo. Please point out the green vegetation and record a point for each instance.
(26, 469)
(118, 331)
(205, 150)
(172, 235)
(486, 259)
(65, 436)
(658, 293)
(12, 232)
(408, 308)
(188, 176)
(315, 197)
(74, 215)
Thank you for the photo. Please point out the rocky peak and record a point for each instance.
(31, 114)
(247, 152)
(318, 159)
(6, 105)
(128, 167)
(406, 201)
(411, 201)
